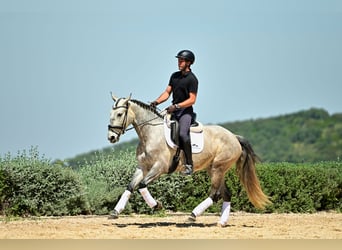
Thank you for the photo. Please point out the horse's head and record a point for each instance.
(120, 118)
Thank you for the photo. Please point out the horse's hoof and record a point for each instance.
(113, 215)
(158, 207)
(192, 218)
(219, 224)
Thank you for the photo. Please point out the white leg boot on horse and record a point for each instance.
(225, 211)
(137, 177)
(201, 208)
(151, 202)
(120, 205)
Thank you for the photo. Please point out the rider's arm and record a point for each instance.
(164, 96)
(188, 102)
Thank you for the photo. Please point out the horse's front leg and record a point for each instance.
(137, 177)
(154, 173)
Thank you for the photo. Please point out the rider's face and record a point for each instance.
(183, 64)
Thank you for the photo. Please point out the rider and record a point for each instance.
(183, 85)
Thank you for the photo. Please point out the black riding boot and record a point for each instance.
(188, 158)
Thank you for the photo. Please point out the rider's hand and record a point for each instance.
(171, 109)
(154, 104)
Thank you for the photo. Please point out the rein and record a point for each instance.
(146, 123)
(122, 127)
(162, 113)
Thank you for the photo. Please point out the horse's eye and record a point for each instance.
(119, 115)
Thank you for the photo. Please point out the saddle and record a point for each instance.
(171, 131)
(171, 128)
(195, 127)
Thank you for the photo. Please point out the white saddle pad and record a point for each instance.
(197, 140)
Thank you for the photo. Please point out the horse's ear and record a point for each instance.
(127, 99)
(114, 97)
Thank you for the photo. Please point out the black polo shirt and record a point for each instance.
(182, 85)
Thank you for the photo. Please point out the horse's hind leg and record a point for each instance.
(217, 179)
(225, 210)
(219, 190)
(201, 208)
(222, 192)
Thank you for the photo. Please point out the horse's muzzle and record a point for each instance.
(112, 137)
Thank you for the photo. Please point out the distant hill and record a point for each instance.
(305, 136)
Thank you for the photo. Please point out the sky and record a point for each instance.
(59, 61)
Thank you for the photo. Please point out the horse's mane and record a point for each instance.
(147, 107)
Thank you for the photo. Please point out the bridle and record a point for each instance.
(120, 130)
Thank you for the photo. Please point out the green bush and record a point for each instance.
(303, 187)
(291, 187)
(105, 177)
(30, 185)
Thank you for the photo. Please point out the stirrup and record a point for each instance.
(188, 169)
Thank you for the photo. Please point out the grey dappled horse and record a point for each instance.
(222, 149)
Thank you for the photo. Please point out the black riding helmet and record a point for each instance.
(187, 55)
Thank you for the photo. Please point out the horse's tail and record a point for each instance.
(245, 167)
